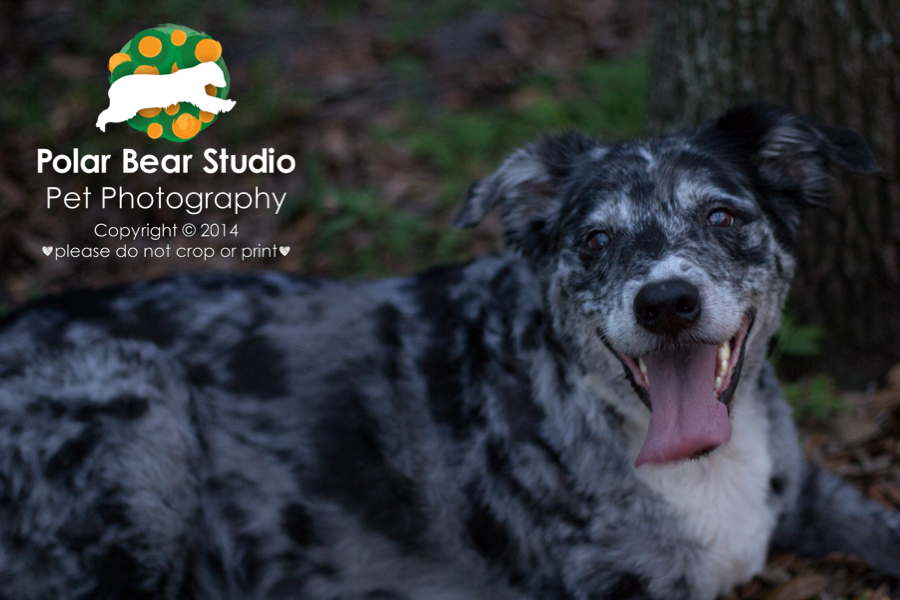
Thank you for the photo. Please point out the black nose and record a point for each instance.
(667, 307)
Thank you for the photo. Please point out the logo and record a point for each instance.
(169, 81)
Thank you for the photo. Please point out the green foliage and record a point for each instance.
(412, 71)
(796, 339)
(358, 234)
(344, 10)
(412, 19)
(463, 144)
(814, 399)
(363, 236)
(24, 107)
(98, 20)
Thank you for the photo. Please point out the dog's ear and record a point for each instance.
(527, 187)
(789, 154)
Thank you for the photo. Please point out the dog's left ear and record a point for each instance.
(527, 187)
(789, 153)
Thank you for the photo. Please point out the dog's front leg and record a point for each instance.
(830, 515)
(214, 105)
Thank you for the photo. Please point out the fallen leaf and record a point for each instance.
(881, 593)
(893, 377)
(774, 575)
(891, 492)
(782, 560)
(803, 587)
(883, 400)
(841, 559)
(853, 431)
(875, 493)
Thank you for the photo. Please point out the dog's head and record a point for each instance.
(211, 73)
(671, 253)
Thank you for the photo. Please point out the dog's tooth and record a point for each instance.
(724, 352)
(643, 367)
(718, 381)
(723, 367)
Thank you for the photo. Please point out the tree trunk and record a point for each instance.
(838, 61)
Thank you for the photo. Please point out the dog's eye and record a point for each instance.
(720, 218)
(598, 240)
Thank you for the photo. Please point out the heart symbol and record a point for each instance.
(47, 250)
(284, 250)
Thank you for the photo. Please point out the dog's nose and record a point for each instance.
(667, 307)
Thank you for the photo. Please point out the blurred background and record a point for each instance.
(392, 107)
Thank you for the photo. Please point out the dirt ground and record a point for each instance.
(390, 108)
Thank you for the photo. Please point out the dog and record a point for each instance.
(131, 93)
(587, 416)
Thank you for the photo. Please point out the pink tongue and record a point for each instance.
(685, 415)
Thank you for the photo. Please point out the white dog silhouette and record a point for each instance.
(132, 93)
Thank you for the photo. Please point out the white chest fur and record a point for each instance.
(721, 497)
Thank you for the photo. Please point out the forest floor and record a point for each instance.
(391, 107)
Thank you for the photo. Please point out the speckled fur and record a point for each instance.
(466, 433)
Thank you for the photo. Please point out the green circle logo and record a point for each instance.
(164, 50)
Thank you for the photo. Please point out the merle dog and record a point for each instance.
(589, 416)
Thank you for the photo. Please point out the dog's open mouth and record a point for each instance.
(687, 390)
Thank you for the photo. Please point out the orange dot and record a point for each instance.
(185, 126)
(149, 46)
(211, 90)
(178, 37)
(174, 67)
(146, 70)
(154, 130)
(171, 110)
(183, 123)
(117, 59)
(206, 117)
(149, 112)
(208, 50)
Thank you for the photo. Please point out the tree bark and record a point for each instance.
(836, 60)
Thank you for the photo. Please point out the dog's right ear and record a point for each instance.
(790, 154)
(527, 187)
